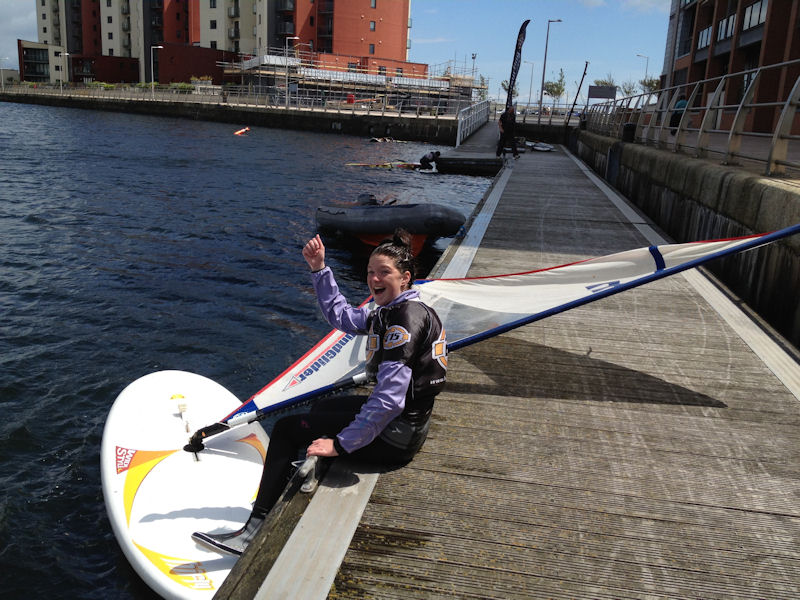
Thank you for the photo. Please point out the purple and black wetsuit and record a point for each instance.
(406, 356)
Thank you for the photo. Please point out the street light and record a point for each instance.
(530, 91)
(646, 64)
(2, 74)
(286, 59)
(152, 74)
(544, 67)
(65, 56)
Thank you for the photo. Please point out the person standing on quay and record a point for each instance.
(507, 123)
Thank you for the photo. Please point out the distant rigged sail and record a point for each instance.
(512, 80)
(474, 309)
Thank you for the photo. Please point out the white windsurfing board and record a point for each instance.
(157, 494)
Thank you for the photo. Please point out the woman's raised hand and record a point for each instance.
(314, 253)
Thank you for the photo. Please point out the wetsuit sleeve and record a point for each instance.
(335, 308)
(387, 401)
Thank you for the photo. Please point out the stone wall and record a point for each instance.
(693, 199)
(425, 128)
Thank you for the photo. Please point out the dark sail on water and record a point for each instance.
(515, 65)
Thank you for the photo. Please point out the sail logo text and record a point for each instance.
(124, 458)
(322, 360)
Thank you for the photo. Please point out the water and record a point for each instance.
(132, 244)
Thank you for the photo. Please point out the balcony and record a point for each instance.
(286, 28)
(285, 6)
(233, 12)
(126, 24)
(233, 33)
(126, 8)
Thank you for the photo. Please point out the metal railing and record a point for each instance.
(334, 99)
(748, 118)
(470, 119)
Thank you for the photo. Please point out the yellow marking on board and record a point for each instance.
(253, 441)
(141, 464)
(190, 574)
(177, 397)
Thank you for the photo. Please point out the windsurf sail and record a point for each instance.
(476, 308)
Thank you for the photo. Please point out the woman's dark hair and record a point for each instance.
(398, 248)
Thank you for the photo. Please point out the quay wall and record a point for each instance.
(425, 128)
(695, 199)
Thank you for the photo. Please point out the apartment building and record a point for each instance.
(709, 38)
(368, 29)
(119, 40)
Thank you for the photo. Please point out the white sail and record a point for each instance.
(473, 309)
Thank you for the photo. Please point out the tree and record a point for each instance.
(504, 85)
(651, 84)
(555, 89)
(483, 91)
(628, 88)
(608, 81)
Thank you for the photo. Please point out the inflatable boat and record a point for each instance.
(373, 223)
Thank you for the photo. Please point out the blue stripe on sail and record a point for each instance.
(657, 257)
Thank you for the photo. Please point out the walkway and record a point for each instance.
(637, 447)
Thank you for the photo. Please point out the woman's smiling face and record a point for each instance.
(385, 280)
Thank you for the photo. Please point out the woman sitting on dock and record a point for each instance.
(406, 356)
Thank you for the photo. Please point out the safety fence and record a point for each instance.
(748, 118)
(333, 99)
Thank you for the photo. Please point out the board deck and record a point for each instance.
(157, 494)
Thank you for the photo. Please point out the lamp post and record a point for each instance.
(2, 74)
(646, 64)
(66, 69)
(544, 68)
(286, 59)
(152, 73)
(530, 90)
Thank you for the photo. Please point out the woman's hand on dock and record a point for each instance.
(322, 447)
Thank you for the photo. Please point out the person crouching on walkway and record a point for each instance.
(407, 358)
(427, 161)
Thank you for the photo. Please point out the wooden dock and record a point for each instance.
(642, 446)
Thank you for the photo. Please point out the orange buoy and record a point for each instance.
(242, 131)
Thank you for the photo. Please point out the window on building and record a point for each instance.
(381, 70)
(110, 35)
(398, 72)
(373, 3)
(372, 48)
(111, 52)
(352, 67)
(108, 3)
(372, 25)
(704, 38)
(310, 20)
(212, 3)
(754, 15)
(43, 2)
(44, 29)
(726, 27)
(44, 16)
(109, 19)
(214, 44)
(212, 24)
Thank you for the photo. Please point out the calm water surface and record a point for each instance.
(132, 244)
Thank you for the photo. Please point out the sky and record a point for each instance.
(607, 33)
